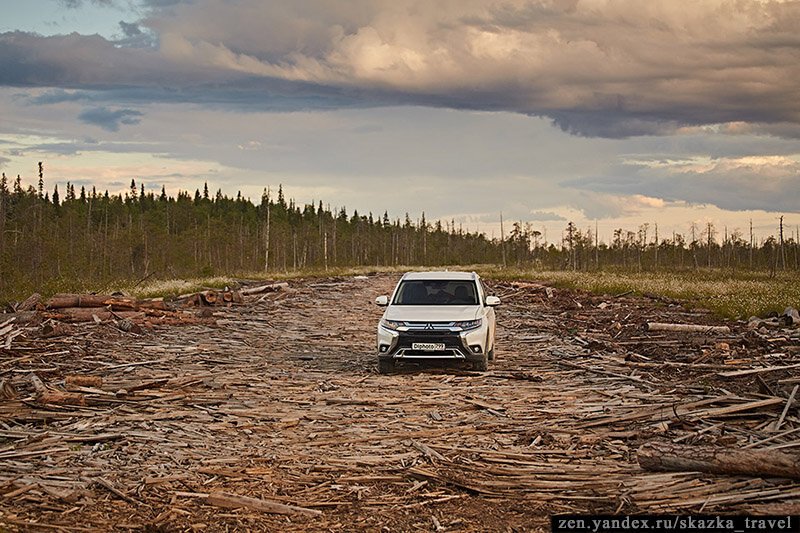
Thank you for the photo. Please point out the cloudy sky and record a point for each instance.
(614, 112)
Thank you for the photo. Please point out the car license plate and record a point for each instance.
(427, 346)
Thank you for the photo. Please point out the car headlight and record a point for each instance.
(469, 324)
(391, 324)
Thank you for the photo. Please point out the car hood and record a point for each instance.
(433, 313)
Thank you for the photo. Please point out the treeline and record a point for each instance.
(704, 246)
(50, 241)
(47, 239)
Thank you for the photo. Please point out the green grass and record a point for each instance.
(732, 295)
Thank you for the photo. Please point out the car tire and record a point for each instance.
(385, 366)
(482, 364)
(490, 353)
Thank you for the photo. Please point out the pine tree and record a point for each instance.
(41, 180)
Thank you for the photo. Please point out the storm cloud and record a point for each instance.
(110, 119)
(546, 111)
(595, 67)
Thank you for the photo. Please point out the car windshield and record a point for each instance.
(436, 292)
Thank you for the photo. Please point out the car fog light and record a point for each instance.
(383, 348)
(475, 349)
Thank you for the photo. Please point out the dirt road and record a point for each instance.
(280, 400)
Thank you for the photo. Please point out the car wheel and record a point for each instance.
(490, 353)
(385, 366)
(482, 364)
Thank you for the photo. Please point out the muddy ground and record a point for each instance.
(279, 399)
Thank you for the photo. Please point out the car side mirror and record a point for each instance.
(383, 301)
(492, 301)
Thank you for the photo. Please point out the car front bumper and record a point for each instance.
(458, 345)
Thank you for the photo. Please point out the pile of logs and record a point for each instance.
(67, 307)
(99, 308)
(209, 298)
(126, 310)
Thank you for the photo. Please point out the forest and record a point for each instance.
(68, 240)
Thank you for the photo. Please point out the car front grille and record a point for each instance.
(453, 346)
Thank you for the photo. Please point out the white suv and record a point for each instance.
(437, 315)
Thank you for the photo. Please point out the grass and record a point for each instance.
(733, 295)
(164, 287)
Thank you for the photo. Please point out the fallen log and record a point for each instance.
(88, 314)
(83, 381)
(762, 370)
(60, 301)
(662, 456)
(54, 329)
(23, 318)
(189, 300)
(45, 396)
(61, 398)
(30, 303)
(272, 287)
(153, 303)
(686, 328)
(234, 501)
(209, 297)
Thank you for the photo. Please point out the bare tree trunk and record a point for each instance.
(796, 248)
(661, 456)
(105, 242)
(783, 255)
(266, 238)
(655, 260)
(502, 240)
(596, 247)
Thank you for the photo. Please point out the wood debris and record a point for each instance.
(277, 404)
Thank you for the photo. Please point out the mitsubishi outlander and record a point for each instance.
(437, 316)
